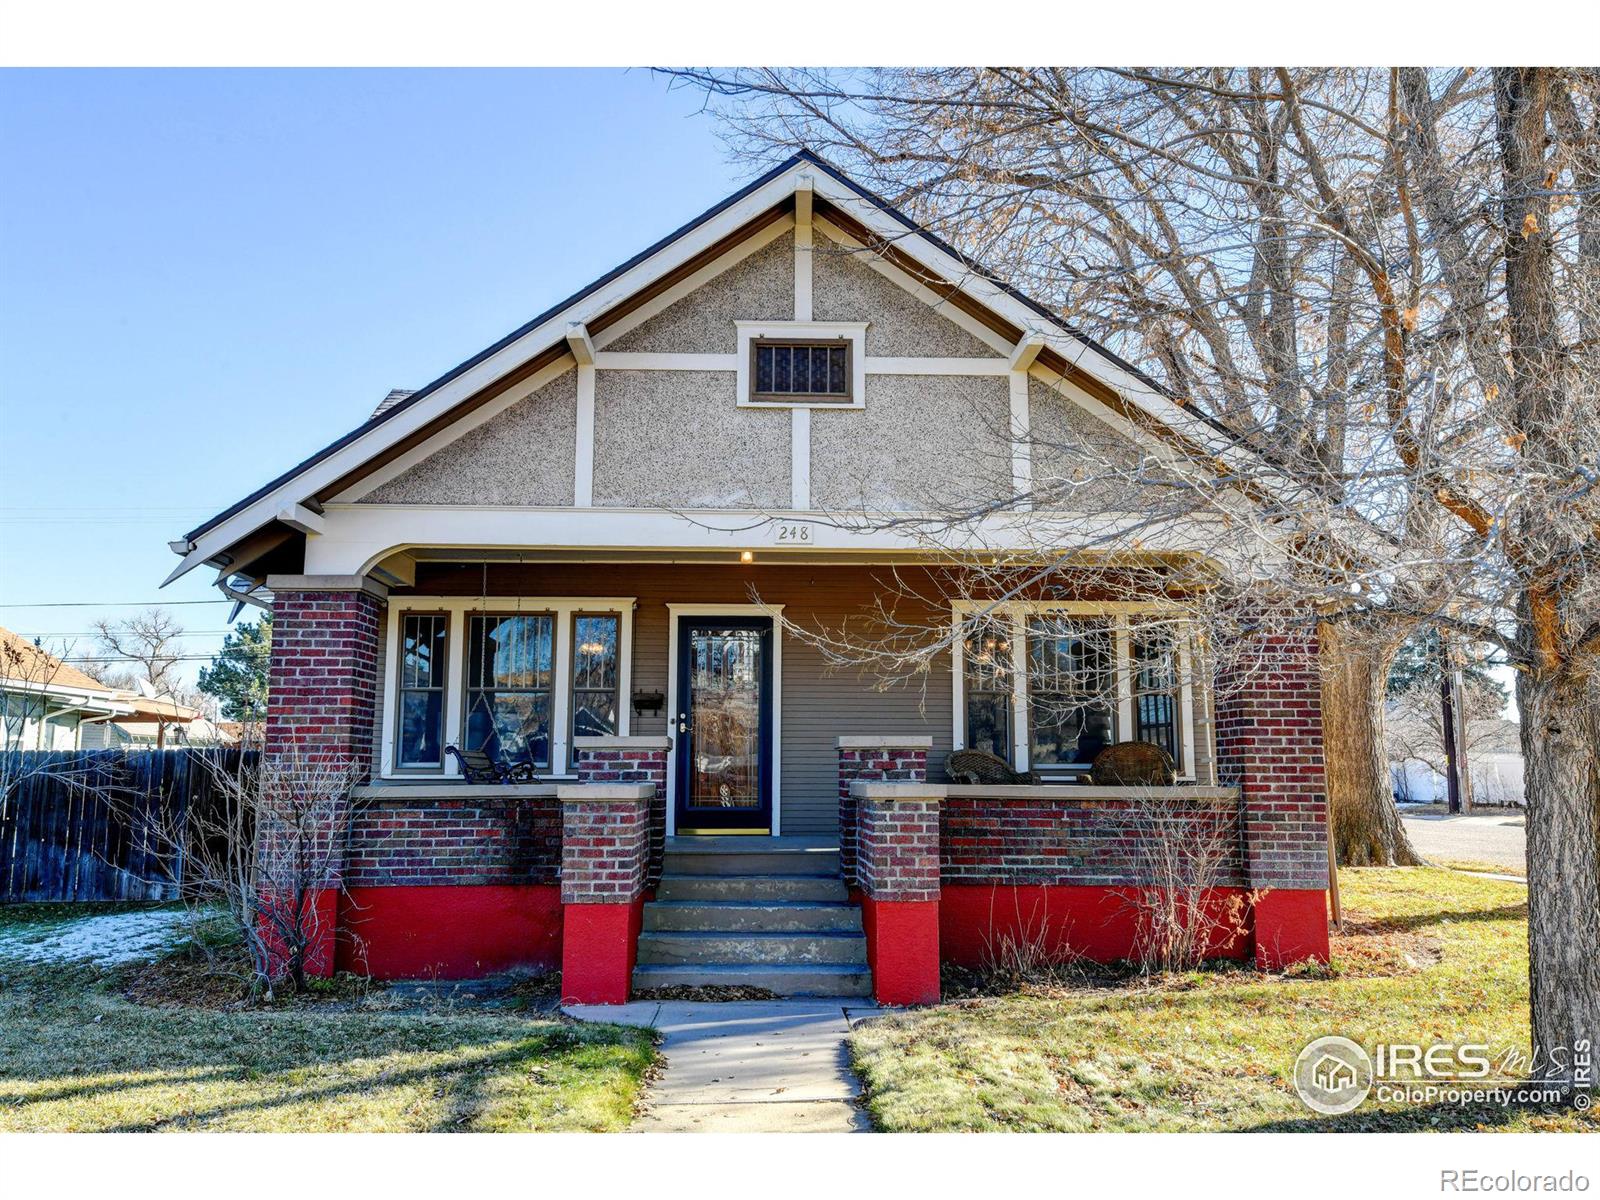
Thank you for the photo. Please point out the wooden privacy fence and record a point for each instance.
(84, 825)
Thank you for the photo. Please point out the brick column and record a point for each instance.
(897, 863)
(893, 759)
(1269, 744)
(631, 760)
(321, 704)
(605, 837)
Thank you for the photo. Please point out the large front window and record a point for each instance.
(1072, 690)
(510, 664)
(424, 640)
(1048, 686)
(516, 678)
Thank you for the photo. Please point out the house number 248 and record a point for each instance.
(791, 532)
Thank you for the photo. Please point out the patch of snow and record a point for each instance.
(105, 940)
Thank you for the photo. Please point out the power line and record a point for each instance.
(115, 603)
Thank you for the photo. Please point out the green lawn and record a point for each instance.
(1428, 955)
(77, 1054)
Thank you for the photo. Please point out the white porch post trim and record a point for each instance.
(583, 465)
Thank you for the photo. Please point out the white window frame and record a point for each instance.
(458, 609)
(1118, 615)
(854, 332)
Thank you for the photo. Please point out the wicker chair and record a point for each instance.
(478, 767)
(979, 766)
(1133, 764)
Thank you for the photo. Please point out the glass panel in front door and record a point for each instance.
(725, 718)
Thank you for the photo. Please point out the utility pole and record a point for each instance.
(1450, 700)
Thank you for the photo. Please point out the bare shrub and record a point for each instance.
(263, 853)
(1187, 851)
(1024, 951)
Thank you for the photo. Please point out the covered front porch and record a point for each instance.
(649, 703)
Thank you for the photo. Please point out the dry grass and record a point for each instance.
(177, 1046)
(1426, 955)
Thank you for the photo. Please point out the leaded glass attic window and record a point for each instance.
(815, 371)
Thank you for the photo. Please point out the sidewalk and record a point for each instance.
(764, 1066)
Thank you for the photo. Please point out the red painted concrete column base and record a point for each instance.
(598, 943)
(1291, 925)
(902, 949)
(321, 922)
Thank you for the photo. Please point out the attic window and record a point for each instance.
(800, 369)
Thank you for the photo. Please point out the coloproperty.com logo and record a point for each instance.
(1335, 1075)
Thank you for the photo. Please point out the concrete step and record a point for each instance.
(764, 888)
(759, 917)
(681, 947)
(808, 980)
(752, 861)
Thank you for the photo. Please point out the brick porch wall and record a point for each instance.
(631, 760)
(1079, 840)
(605, 840)
(1269, 743)
(874, 759)
(455, 843)
(321, 705)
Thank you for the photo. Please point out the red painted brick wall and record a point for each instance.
(903, 764)
(604, 847)
(1269, 743)
(435, 842)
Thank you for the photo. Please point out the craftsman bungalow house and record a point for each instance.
(593, 551)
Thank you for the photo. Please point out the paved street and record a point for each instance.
(1497, 839)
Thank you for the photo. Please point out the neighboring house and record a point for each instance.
(48, 704)
(570, 551)
(156, 723)
(1494, 768)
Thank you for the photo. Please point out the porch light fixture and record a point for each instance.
(746, 556)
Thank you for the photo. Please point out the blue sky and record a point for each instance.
(207, 275)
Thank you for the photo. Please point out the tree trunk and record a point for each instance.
(1554, 691)
(1366, 825)
(1561, 749)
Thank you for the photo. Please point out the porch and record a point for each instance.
(657, 702)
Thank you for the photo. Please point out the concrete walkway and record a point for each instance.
(761, 1066)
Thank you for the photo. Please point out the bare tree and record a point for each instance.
(1415, 728)
(1383, 285)
(151, 639)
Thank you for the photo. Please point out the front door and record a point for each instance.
(724, 725)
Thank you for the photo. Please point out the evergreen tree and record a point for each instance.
(1418, 663)
(238, 674)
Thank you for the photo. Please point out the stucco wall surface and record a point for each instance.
(522, 456)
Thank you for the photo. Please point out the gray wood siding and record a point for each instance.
(816, 707)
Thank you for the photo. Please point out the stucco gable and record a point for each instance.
(845, 287)
(523, 455)
(757, 288)
(1080, 462)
